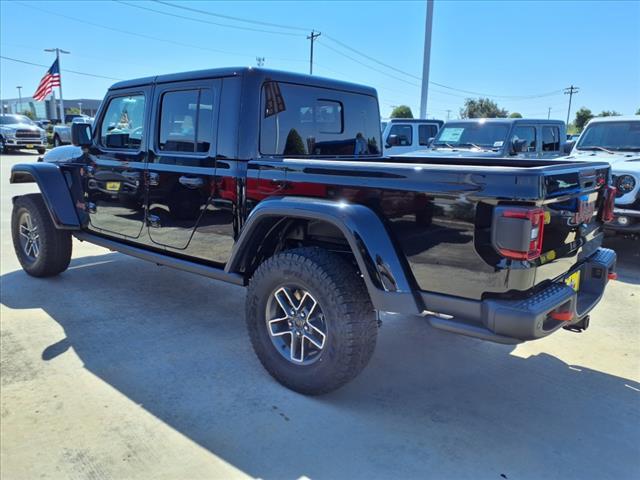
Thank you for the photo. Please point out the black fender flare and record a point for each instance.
(384, 269)
(54, 189)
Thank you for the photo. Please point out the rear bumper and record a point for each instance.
(625, 220)
(514, 321)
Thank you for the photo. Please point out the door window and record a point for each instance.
(404, 134)
(425, 132)
(550, 139)
(528, 134)
(123, 123)
(186, 121)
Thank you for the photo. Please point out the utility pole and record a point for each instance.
(80, 107)
(570, 91)
(448, 114)
(19, 99)
(260, 61)
(58, 52)
(312, 37)
(549, 114)
(426, 59)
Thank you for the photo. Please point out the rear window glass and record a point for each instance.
(298, 120)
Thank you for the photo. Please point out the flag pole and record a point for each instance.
(58, 52)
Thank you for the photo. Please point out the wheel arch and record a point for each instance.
(54, 189)
(384, 269)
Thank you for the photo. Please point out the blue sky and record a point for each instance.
(508, 49)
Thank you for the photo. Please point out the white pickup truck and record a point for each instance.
(404, 135)
(616, 140)
(62, 133)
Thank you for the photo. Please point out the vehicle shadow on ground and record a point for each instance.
(628, 262)
(428, 404)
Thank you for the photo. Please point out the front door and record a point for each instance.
(528, 134)
(181, 166)
(114, 176)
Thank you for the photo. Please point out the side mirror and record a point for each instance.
(430, 141)
(81, 134)
(568, 146)
(393, 141)
(517, 146)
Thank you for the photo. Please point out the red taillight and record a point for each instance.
(609, 203)
(533, 229)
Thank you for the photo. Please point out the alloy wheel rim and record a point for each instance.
(296, 325)
(29, 236)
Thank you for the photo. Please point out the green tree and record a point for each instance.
(638, 111)
(515, 115)
(29, 114)
(482, 108)
(582, 117)
(609, 113)
(73, 111)
(401, 111)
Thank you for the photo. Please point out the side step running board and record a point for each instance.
(162, 259)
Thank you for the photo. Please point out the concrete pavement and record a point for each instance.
(121, 369)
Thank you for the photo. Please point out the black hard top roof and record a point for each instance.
(261, 74)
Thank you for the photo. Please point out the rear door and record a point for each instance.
(551, 143)
(181, 164)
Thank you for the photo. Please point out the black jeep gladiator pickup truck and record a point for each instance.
(276, 181)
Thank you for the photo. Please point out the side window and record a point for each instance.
(186, 121)
(550, 139)
(425, 132)
(123, 123)
(528, 134)
(404, 134)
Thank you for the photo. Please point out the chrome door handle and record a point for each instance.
(191, 182)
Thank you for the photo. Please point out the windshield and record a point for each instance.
(13, 119)
(623, 135)
(472, 135)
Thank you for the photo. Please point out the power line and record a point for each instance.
(201, 20)
(66, 69)
(229, 17)
(141, 35)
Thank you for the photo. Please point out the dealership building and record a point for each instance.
(47, 109)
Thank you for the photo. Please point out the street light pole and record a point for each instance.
(58, 52)
(426, 60)
(19, 98)
(80, 107)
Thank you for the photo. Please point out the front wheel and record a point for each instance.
(42, 151)
(56, 141)
(310, 320)
(43, 250)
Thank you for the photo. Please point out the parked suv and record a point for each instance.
(501, 137)
(276, 181)
(616, 140)
(19, 131)
(404, 135)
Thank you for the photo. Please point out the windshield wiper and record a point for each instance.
(443, 143)
(596, 147)
(469, 144)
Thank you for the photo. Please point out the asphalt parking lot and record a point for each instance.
(121, 369)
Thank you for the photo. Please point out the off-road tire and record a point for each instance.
(55, 245)
(349, 316)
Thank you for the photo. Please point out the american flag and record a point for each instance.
(51, 79)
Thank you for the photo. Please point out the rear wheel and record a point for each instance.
(43, 250)
(310, 320)
(56, 140)
(42, 150)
